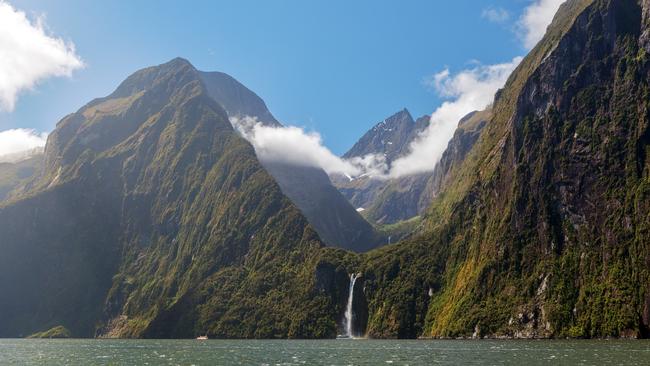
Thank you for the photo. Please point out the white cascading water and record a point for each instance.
(348, 309)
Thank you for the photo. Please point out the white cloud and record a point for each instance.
(15, 142)
(536, 19)
(28, 54)
(295, 146)
(469, 90)
(496, 15)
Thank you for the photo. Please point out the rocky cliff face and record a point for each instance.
(542, 232)
(390, 137)
(153, 218)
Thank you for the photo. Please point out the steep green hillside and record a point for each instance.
(543, 231)
(309, 188)
(153, 218)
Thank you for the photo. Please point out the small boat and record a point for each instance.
(202, 338)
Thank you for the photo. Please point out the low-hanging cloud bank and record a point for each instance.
(17, 141)
(293, 145)
(28, 54)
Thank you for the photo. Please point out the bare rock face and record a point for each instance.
(390, 137)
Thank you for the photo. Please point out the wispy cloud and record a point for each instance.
(535, 20)
(28, 54)
(472, 89)
(466, 91)
(20, 140)
(496, 15)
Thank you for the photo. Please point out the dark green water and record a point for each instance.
(340, 352)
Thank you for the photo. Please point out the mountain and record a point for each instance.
(390, 137)
(332, 216)
(153, 218)
(543, 229)
(396, 200)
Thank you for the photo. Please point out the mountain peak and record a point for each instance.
(178, 61)
(178, 69)
(403, 116)
(389, 137)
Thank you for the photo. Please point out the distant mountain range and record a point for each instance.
(148, 215)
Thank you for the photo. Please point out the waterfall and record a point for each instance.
(348, 310)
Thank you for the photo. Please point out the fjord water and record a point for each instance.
(324, 352)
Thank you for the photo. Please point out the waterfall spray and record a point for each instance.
(348, 310)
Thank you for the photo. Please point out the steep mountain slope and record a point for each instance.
(543, 231)
(153, 218)
(336, 221)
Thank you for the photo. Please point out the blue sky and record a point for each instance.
(336, 67)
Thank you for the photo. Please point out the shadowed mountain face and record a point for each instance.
(236, 99)
(153, 218)
(334, 218)
(395, 200)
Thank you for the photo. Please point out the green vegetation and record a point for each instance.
(154, 219)
(56, 332)
(542, 231)
(400, 230)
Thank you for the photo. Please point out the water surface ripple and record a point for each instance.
(324, 352)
